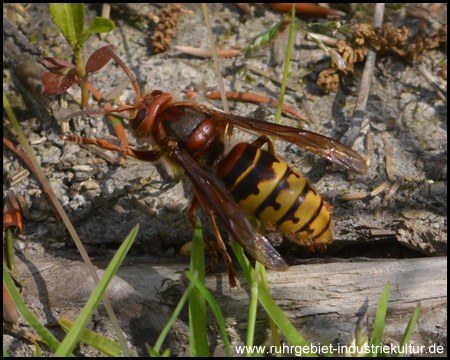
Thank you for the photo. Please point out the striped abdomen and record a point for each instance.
(265, 187)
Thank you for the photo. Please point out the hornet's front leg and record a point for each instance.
(144, 155)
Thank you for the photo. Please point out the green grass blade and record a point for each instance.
(88, 337)
(273, 327)
(154, 353)
(409, 329)
(286, 65)
(156, 349)
(280, 319)
(9, 253)
(216, 310)
(253, 307)
(272, 309)
(380, 318)
(198, 268)
(45, 335)
(198, 337)
(74, 334)
(243, 261)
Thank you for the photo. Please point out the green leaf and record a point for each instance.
(69, 17)
(101, 25)
(264, 38)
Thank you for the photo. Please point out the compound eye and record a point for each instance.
(138, 119)
(156, 93)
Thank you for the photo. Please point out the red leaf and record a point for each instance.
(99, 59)
(58, 83)
(9, 309)
(56, 65)
(12, 216)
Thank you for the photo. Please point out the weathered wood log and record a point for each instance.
(323, 301)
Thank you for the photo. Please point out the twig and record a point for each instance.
(355, 125)
(254, 98)
(442, 92)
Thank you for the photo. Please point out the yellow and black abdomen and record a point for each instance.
(265, 187)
